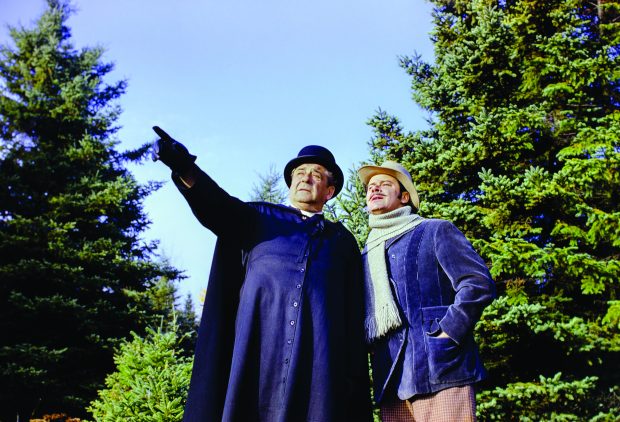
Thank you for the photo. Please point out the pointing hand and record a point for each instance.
(172, 153)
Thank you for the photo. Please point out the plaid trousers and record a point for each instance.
(456, 404)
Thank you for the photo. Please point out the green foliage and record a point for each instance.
(269, 187)
(350, 208)
(187, 322)
(74, 271)
(522, 153)
(612, 318)
(150, 382)
(548, 399)
(162, 299)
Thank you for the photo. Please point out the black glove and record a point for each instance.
(172, 153)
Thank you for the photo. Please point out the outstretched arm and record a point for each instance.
(214, 208)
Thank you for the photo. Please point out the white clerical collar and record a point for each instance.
(309, 213)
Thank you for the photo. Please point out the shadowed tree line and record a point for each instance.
(76, 277)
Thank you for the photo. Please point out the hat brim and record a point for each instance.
(314, 159)
(366, 173)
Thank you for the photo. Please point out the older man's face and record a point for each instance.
(309, 189)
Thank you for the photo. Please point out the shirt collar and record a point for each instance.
(309, 213)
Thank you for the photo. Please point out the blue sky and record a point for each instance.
(244, 85)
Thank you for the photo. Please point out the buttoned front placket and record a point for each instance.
(295, 300)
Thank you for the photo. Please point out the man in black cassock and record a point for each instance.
(282, 335)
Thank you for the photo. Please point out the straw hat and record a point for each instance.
(395, 170)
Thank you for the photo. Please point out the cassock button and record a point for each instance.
(302, 270)
(298, 286)
(295, 304)
(289, 341)
(292, 322)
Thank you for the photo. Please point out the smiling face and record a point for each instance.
(383, 194)
(310, 187)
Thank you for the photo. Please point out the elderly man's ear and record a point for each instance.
(330, 193)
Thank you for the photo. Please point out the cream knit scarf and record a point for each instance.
(381, 311)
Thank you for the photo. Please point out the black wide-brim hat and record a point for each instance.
(315, 154)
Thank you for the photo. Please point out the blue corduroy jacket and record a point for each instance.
(440, 284)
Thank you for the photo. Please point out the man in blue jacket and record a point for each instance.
(426, 288)
(281, 336)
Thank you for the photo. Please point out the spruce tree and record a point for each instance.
(269, 187)
(162, 297)
(522, 153)
(73, 266)
(150, 382)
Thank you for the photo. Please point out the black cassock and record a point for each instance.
(281, 336)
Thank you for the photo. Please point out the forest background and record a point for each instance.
(520, 150)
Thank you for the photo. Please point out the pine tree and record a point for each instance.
(522, 153)
(150, 382)
(163, 299)
(269, 187)
(73, 267)
(187, 325)
(350, 208)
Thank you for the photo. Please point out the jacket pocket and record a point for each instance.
(449, 362)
